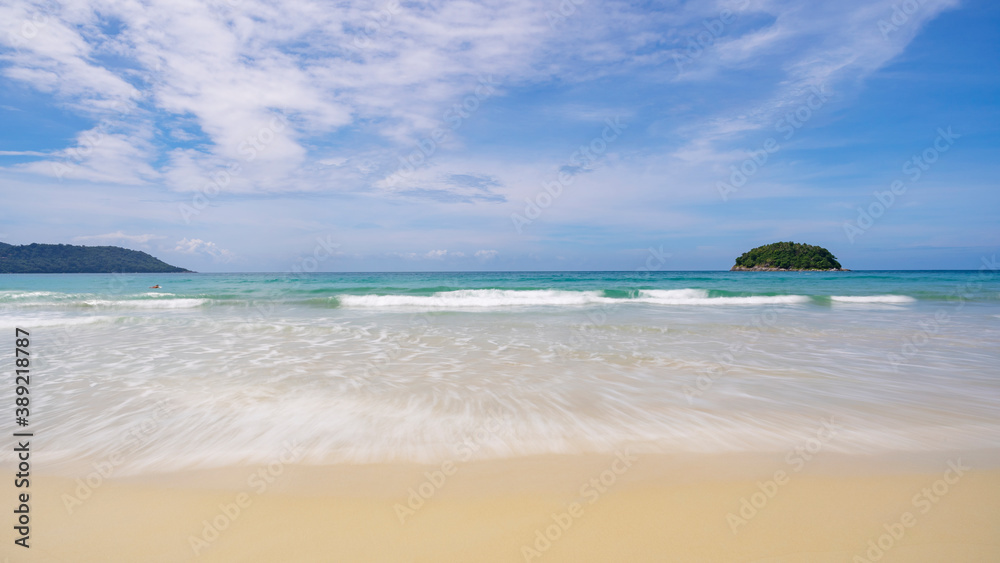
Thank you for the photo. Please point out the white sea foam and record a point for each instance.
(872, 299)
(477, 299)
(365, 388)
(486, 298)
(148, 303)
(32, 322)
(236, 427)
(16, 294)
(700, 297)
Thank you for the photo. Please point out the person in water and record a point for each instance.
(154, 286)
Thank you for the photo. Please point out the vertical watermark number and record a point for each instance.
(22, 380)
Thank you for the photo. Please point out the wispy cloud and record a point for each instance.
(24, 153)
(261, 96)
(198, 246)
(118, 236)
(486, 255)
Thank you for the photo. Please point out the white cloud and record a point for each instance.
(486, 255)
(436, 254)
(812, 46)
(56, 49)
(23, 153)
(101, 156)
(118, 236)
(439, 254)
(231, 74)
(198, 246)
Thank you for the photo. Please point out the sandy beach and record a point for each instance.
(628, 507)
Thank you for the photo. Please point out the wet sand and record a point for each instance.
(553, 508)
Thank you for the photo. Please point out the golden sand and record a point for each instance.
(566, 508)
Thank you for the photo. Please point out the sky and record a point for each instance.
(247, 135)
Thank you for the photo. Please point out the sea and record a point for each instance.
(213, 370)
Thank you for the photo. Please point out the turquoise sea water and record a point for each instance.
(326, 288)
(225, 368)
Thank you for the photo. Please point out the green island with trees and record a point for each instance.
(71, 259)
(787, 256)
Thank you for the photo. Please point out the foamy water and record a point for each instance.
(872, 299)
(476, 299)
(224, 369)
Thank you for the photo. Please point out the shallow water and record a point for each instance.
(217, 369)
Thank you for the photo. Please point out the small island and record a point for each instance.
(72, 259)
(787, 257)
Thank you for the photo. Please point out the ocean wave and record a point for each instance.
(700, 297)
(872, 299)
(15, 294)
(148, 303)
(477, 299)
(489, 298)
(29, 323)
(426, 298)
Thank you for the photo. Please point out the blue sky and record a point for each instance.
(245, 135)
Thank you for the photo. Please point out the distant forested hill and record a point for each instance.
(71, 259)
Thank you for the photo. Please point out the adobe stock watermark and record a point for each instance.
(700, 42)
(913, 168)
(930, 327)
(796, 460)
(394, 347)
(590, 493)
(923, 501)
(787, 126)
(454, 116)
(258, 483)
(563, 11)
(28, 30)
(375, 22)
(249, 149)
(436, 479)
(901, 13)
(584, 157)
(727, 360)
(655, 260)
(117, 285)
(90, 140)
(137, 436)
(324, 250)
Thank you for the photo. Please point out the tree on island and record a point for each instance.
(787, 256)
